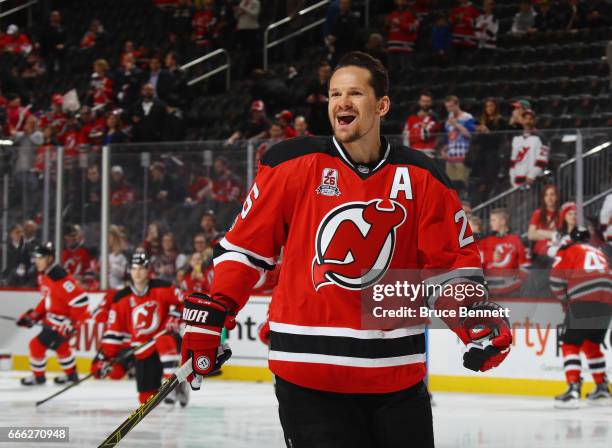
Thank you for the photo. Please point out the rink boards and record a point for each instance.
(534, 366)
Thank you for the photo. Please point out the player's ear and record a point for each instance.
(383, 105)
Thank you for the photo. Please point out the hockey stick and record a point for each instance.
(139, 414)
(113, 361)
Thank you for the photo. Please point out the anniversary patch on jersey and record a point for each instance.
(329, 183)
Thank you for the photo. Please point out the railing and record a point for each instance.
(266, 37)
(592, 206)
(17, 9)
(227, 67)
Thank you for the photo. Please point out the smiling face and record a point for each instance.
(354, 111)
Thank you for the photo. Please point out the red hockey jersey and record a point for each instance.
(581, 272)
(463, 20)
(419, 133)
(505, 260)
(402, 31)
(343, 225)
(139, 317)
(77, 261)
(62, 298)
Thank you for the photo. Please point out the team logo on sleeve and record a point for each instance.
(329, 183)
(355, 243)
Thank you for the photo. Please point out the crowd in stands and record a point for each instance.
(139, 94)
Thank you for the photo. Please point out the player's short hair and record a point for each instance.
(379, 77)
(452, 99)
(501, 211)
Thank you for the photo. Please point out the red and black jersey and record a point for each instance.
(101, 312)
(505, 260)
(402, 31)
(56, 119)
(463, 21)
(78, 260)
(138, 317)
(343, 225)
(197, 284)
(581, 273)
(62, 298)
(420, 133)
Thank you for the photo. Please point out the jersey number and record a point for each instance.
(594, 262)
(248, 203)
(463, 241)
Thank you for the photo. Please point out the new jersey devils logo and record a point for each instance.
(502, 255)
(145, 318)
(355, 243)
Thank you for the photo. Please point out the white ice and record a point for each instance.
(238, 414)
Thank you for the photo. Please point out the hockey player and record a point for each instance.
(344, 208)
(504, 257)
(62, 310)
(581, 279)
(140, 311)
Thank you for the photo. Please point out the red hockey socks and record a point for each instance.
(596, 360)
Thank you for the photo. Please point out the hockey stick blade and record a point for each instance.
(59, 392)
(139, 414)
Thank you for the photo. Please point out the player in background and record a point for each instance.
(421, 128)
(138, 312)
(581, 279)
(341, 207)
(504, 257)
(62, 310)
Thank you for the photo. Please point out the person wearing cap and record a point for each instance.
(529, 153)
(139, 312)
(122, 192)
(568, 221)
(255, 127)
(15, 41)
(76, 258)
(285, 118)
(62, 310)
(55, 116)
(516, 118)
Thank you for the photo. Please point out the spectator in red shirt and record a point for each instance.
(91, 36)
(16, 115)
(196, 278)
(204, 24)
(91, 127)
(285, 118)
(101, 86)
(301, 126)
(402, 27)
(227, 186)
(463, 20)
(16, 42)
(544, 223)
(420, 8)
(421, 128)
(55, 117)
(76, 258)
(121, 191)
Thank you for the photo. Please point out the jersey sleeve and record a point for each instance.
(117, 332)
(447, 252)
(558, 275)
(253, 244)
(535, 218)
(75, 297)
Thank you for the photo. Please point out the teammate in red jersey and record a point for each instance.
(62, 310)
(346, 209)
(581, 279)
(504, 257)
(140, 311)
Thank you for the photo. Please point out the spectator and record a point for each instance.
(247, 29)
(476, 226)
(546, 19)
(53, 42)
(256, 127)
(91, 127)
(402, 27)
(208, 229)
(573, 14)
(17, 272)
(568, 218)
(421, 128)
(30, 234)
(93, 194)
(55, 117)
(463, 20)
(114, 132)
(26, 179)
(33, 70)
(441, 38)
(101, 86)
(16, 115)
(420, 7)
(529, 153)
(169, 261)
(543, 226)
(301, 127)
(196, 278)
(177, 90)
(203, 246)
(276, 134)
(128, 80)
(516, 119)
(148, 116)
(16, 42)
(122, 192)
(605, 219)
(117, 261)
(524, 19)
(92, 36)
(285, 119)
(485, 156)
(505, 258)
(182, 17)
(226, 185)
(159, 78)
(76, 258)
(375, 47)
(161, 187)
(343, 35)
(129, 52)
(459, 128)
(316, 98)
(598, 14)
(487, 26)
(204, 24)
(152, 242)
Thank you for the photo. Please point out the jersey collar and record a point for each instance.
(363, 170)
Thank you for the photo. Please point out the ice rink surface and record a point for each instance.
(236, 414)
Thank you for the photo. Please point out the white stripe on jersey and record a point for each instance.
(347, 361)
(344, 332)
